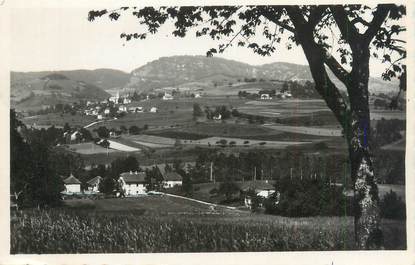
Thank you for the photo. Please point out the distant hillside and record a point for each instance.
(33, 91)
(103, 78)
(209, 72)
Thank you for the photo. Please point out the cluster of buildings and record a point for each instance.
(282, 95)
(114, 105)
(133, 183)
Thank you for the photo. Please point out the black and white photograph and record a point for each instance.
(208, 128)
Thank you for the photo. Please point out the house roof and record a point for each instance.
(94, 181)
(133, 177)
(172, 176)
(256, 185)
(71, 180)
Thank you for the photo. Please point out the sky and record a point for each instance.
(63, 39)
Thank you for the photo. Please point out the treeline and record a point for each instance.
(34, 167)
(267, 165)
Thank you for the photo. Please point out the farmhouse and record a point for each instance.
(93, 183)
(126, 101)
(171, 179)
(133, 183)
(99, 117)
(72, 184)
(153, 109)
(107, 111)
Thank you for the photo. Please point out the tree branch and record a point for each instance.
(347, 28)
(337, 69)
(379, 17)
(316, 14)
(271, 17)
(316, 58)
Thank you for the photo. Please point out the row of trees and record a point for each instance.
(220, 111)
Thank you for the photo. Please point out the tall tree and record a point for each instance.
(358, 32)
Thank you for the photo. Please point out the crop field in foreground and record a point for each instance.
(160, 224)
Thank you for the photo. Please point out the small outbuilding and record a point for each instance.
(72, 184)
(172, 179)
(93, 184)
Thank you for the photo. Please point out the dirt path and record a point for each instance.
(202, 202)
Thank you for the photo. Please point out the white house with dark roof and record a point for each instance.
(171, 179)
(262, 189)
(72, 184)
(133, 183)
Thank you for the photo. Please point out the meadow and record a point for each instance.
(170, 225)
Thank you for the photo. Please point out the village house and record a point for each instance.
(265, 96)
(261, 189)
(135, 109)
(93, 184)
(72, 184)
(197, 95)
(153, 109)
(133, 183)
(107, 111)
(126, 101)
(122, 108)
(172, 179)
(99, 117)
(115, 99)
(167, 96)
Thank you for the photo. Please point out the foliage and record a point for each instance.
(308, 197)
(392, 206)
(197, 110)
(102, 132)
(134, 130)
(32, 176)
(229, 189)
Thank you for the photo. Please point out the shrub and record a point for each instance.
(309, 197)
(392, 206)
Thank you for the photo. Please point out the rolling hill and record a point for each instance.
(33, 91)
(103, 78)
(210, 72)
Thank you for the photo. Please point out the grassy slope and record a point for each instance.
(160, 224)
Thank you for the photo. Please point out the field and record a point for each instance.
(321, 131)
(288, 108)
(166, 224)
(89, 149)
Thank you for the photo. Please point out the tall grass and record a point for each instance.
(65, 231)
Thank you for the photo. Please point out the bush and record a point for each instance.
(392, 206)
(310, 197)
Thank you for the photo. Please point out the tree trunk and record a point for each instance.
(355, 120)
(367, 218)
(367, 215)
